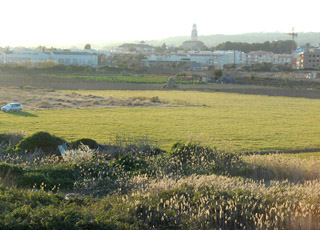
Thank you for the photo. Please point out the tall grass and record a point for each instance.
(283, 167)
(189, 187)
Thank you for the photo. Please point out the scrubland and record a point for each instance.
(188, 187)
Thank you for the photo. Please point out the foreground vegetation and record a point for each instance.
(143, 187)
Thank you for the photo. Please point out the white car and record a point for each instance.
(12, 107)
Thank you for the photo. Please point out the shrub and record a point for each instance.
(49, 177)
(42, 141)
(92, 144)
(217, 73)
(155, 100)
(193, 158)
(9, 174)
(34, 179)
(156, 151)
(129, 163)
(10, 139)
(81, 154)
(185, 153)
(89, 69)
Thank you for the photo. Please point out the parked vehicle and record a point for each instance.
(12, 107)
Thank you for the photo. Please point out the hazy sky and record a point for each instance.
(67, 22)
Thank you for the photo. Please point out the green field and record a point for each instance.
(122, 79)
(187, 187)
(227, 121)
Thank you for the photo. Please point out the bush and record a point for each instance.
(193, 158)
(35, 179)
(129, 163)
(217, 73)
(42, 141)
(9, 174)
(155, 100)
(92, 144)
(49, 177)
(10, 139)
(186, 153)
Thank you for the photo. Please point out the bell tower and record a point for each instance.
(194, 33)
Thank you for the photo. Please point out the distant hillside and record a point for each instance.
(214, 40)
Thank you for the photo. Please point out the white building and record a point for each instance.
(165, 58)
(203, 58)
(141, 47)
(267, 57)
(24, 57)
(59, 57)
(75, 58)
(282, 59)
(224, 57)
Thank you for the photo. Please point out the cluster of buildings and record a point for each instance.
(34, 57)
(197, 60)
(190, 54)
(203, 59)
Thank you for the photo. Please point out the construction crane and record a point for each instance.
(293, 46)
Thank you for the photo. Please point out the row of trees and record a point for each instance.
(277, 47)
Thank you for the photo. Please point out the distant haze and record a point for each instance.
(64, 23)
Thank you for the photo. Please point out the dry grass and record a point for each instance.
(40, 99)
(160, 199)
(284, 167)
(234, 203)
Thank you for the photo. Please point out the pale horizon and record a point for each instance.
(70, 23)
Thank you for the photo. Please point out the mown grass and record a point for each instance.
(243, 123)
(122, 79)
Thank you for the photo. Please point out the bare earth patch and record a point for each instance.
(39, 99)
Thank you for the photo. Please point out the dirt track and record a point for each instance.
(20, 80)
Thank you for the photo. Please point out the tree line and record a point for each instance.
(277, 47)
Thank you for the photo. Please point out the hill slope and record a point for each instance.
(214, 40)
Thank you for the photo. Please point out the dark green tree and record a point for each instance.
(217, 73)
(87, 47)
(274, 46)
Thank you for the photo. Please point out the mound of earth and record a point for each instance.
(39, 99)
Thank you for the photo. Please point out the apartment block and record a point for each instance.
(309, 59)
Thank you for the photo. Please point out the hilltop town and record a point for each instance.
(191, 55)
(141, 136)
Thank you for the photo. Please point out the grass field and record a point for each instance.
(227, 121)
(122, 79)
(187, 187)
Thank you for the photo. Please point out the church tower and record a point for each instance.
(194, 33)
(193, 44)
